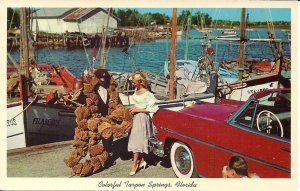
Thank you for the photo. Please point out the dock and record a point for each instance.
(121, 37)
(47, 161)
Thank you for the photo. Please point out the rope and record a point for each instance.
(26, 107)
(86, 54)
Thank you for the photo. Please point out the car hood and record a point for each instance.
(210, 111)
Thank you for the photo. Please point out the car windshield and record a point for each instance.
(269, 114)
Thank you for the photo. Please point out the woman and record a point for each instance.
(144, 106)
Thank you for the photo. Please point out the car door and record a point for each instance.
(268, 155)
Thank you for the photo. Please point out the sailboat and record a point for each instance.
(32, 116)
(252, 83)
(238, 85)
(166, 90)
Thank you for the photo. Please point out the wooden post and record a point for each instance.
(242, 44)
(102, 59)
(173, 56)
(24, 55)
(64, 40)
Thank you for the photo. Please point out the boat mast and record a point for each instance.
(24, 44)
(187, 37)
(173, 56)
(242, 43)
(102, 60)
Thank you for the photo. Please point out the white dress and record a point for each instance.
(142, 125)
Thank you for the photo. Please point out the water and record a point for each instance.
(151, 55)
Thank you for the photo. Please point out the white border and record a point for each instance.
(91, 183)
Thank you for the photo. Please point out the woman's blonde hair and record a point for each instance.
(140, 78)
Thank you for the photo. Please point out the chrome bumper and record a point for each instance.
(157, 147)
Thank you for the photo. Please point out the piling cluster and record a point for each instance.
(92, 129)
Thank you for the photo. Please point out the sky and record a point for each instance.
(255, 15)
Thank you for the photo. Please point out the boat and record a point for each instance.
(228, 31)
(34, 113)
(165, 88)
(237, 81)
(253, 75)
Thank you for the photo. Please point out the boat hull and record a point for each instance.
(15, 126)
(241, 91)
(47, 124)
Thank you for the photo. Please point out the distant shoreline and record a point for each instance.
(256, 26)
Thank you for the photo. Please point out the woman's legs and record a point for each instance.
(134, 162)
(142, 158)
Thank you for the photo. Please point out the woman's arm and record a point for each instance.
(134, 109)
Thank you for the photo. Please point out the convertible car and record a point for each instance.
(202, 138)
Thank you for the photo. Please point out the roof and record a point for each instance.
(69, 14)
(82, 14)
(52, 12)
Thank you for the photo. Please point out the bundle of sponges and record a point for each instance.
(97, 161)
(92, 128)
(121, 113)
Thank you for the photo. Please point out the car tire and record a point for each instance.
(182, 161)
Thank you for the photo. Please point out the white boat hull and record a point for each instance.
(243, 92)
(15, 126)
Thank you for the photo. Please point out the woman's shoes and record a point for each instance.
(143, 165)
(133, 172)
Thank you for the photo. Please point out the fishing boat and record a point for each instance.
(182, 91)
(238, 79)
(34, 114)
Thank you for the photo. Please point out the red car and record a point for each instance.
(201, 139)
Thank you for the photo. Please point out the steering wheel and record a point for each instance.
(267, 121)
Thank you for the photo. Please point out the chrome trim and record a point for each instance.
(250, 130)
(157, 147)
(226, 150)
(231, 122)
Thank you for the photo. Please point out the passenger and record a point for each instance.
(237, 168)
(144, 106)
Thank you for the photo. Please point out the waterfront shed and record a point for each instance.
(60, 20)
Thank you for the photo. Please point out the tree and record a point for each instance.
(160, 19)
(201, 19)
(13, 18)
(133, 17)
(182, 18)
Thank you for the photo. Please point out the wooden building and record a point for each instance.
(85, 20)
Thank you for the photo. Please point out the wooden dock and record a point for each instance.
(120, 38)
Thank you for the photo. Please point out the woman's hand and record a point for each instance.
(134, 109)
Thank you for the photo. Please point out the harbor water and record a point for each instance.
(152, 55)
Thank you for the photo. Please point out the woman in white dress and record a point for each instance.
(144, 107)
